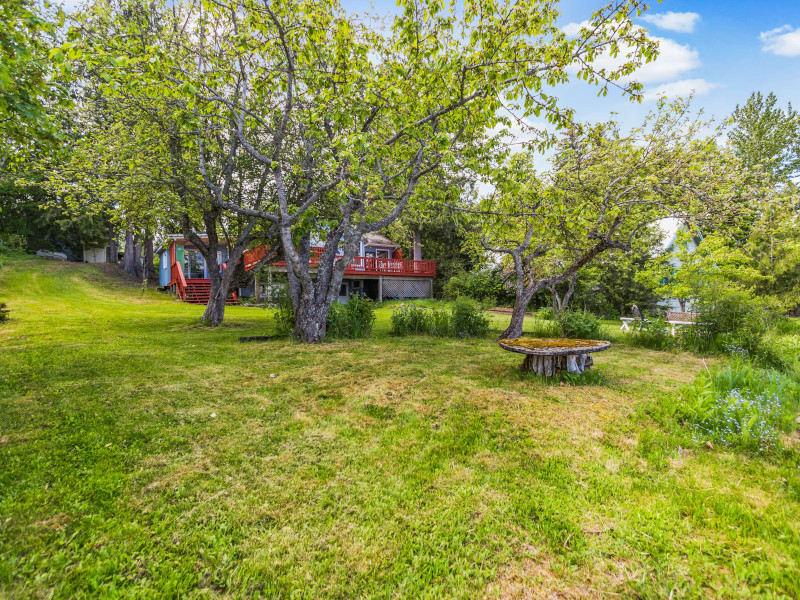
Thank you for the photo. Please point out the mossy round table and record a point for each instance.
(551, 356)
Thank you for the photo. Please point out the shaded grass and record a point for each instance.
(144, 455)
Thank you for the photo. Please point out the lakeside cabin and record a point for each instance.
(379, 271)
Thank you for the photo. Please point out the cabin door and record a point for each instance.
(344, 292)
(194, 265)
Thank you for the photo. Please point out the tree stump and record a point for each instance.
(549, 357)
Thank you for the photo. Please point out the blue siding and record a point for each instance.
(163, 268)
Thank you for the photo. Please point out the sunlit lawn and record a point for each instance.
(142, 455)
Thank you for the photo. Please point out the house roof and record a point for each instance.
(376, 239)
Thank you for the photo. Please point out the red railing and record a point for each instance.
(365, 265)
(176, 274)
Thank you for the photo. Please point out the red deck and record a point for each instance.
(361, 265)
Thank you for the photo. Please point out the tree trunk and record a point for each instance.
(113, 247)
(149, 269)
(514, 329)
(571, 290)
(310, 322)
(137, 257)
(129, 255)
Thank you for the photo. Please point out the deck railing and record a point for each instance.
(176, 274)
(365, 265)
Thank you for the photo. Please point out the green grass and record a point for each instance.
(143, 455)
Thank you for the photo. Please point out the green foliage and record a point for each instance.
(651, 333)
(740, 405)
(283, 316)
(464, 319)
(546, 312)
(353, 319)
(33, 219)
(29, 89)
(580, 325)
(765, 137)
(3, 312)
(484, 286)
(468, 320)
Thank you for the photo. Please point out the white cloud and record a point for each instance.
(674, 59)
(682, 22)
(783, 41)
(682, 88)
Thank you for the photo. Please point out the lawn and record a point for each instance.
(143, 455)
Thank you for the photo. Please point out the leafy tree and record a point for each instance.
(348, 118)
(28, 89)
(605, 190)
(766, 137)
(41, 221)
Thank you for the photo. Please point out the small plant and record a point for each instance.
(741, 405)
(3, 312)
(651, 333)
(468, 320)
(579, 325)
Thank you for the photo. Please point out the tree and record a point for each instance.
(348, 118)
(28, 89)
(767, 138)
(605, 190)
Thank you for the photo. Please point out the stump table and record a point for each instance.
(551, 356)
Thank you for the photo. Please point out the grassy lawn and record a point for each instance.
(142, 455)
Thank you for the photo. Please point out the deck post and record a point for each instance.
(380, 288)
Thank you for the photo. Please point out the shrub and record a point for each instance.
(483, 286)
(468, 320)
(409, 319)
(284, 316)
(353, 319)
(580, 325)
(3, 312)
(741, 406)
(464, 319)
(546, 313)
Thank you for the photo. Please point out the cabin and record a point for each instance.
(379, 271)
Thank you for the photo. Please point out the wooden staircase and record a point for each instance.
(197, 291)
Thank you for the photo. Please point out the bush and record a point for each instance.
(579, 325)
(3, 312)
(484, 286)
(545, 313)
(464, 319)
(284, 316)
(740, 406)
(468, 320)
(353, 319)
